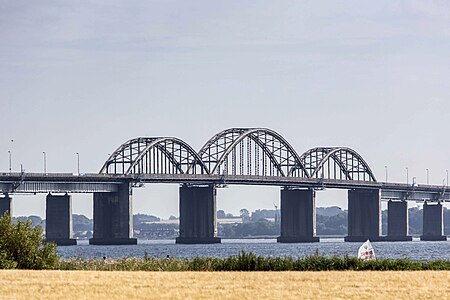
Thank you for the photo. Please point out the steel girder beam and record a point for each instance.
(58, 187)
(415, 195)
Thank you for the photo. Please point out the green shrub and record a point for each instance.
(5, 262)
(24, 247)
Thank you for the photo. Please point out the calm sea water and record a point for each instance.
(415, 250)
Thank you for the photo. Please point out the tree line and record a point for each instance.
(330, 221)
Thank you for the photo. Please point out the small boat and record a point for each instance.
(366, 251)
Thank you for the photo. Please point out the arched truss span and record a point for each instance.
(336, 163)
(158, 155)
(251, 151)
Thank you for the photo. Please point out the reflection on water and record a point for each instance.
(416, 249)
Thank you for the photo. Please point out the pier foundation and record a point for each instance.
(58, 220)
(298, 216)
(398, 225)
(5, 204)
(433, 221)
(113, 218)
(198, 222)
(364, 217)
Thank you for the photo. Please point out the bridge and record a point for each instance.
(236, 156)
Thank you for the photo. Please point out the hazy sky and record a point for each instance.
(84, 76)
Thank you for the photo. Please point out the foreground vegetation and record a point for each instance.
(23, 246)
(24, 284)
(251, 262)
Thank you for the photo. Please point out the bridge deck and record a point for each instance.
(89, 183)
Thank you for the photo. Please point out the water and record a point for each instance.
(415, 250)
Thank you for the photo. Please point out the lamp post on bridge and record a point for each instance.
(386, 169)
(428, 176)
(447, 176)
(78, 162)
(9, 152)
(407, 176)
(10, 159)
(45, 162)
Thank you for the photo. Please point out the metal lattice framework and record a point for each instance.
(336, 163)
(158, 155)
(237, 151)
(251, 151)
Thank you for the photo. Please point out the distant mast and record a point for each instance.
(276, 213)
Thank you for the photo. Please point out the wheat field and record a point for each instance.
(23, 284)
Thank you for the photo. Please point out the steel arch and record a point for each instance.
(337, 163)
(154, 155)
(251, 151)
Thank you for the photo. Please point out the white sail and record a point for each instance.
(366, 251)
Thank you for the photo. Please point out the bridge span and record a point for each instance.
(34, 183)
(236, 156)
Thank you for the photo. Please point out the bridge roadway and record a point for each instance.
(93, 183)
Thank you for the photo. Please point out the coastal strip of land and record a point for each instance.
(52, 284)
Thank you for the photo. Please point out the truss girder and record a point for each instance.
(336, 163)
(237, 151)
(251, 151)
(158, 155)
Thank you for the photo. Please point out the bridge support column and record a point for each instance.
(398, 227)
(113, 218)
(433, 229)
(298, 216)
(364, 215)
(58, 220)
(198, 223)
(5, 205)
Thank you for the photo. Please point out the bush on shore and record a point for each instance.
(251, 262)
(24, 247)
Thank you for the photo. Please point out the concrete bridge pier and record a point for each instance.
(298, 216)
(58, 220)
(433, 221)
(5, 204)
(398, 226)
(198, 221)
(364, 217)
(113, 218)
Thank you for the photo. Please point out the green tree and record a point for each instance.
(24, 247)
(245, 215)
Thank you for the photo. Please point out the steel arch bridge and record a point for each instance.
(251, 151)
(157, 155)
(236, 152)
(337, 163)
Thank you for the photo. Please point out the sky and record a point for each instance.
(81, 76)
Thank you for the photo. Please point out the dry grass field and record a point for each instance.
(17, 284)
